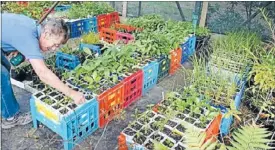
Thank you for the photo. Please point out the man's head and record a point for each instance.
(54, 33)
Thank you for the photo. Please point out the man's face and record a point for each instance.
(49, 42)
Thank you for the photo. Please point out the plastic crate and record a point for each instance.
(188, 48)
(66, 61)
(126, 28)
(125, 37)
(76, 28)
(164, 67)
(62, 7)
(108, 35)
(90, 25)
(102, 22)
(95, 48)
(73, 127)
(110, 103)
(150, 76)
(113, 18)
(132, 88)
(175, 62)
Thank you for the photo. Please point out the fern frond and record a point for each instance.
(195, 140)
(250, 137)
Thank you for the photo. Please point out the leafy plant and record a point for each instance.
(90, 38)
(85, 9)
(250, 137)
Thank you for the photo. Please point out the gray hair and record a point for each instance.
(56, 27)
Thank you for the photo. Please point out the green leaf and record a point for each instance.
(94, 75)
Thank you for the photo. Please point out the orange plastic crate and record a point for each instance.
(175, 60)
(102, 21)
(108, 35)
(110, 103)
(132, 88)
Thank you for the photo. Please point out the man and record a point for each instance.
(21, 34)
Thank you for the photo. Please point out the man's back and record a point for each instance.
(20, 33)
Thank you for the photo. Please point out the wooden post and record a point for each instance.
(139, 8)
(181, 13)
(124, 9)
(203, 14)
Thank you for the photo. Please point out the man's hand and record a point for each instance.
(48, 77)
(78, 97)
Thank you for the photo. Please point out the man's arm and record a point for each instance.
(48, 77)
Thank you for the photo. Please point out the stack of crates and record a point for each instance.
(150, 75)
(188, 48)
(132, 88)
(175, 62)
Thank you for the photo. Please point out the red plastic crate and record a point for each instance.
(110, 103)
(102, 22)
(113, 18)
(132, 88)
(125, 37)
(108, 35)
(175, 60)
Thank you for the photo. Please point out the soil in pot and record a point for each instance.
(53, 94)
(59, 97)
(57, 106)
(72, 106)
(150, 115)
(171, 123)
(180, 116)
(186, 111)
(194, 115)
(146, 132)
(136, 126)
(156, 137)
(200, 125)
(144, 120)
(21, 75)
(149, 145)
(166, 131)
(175, 136)
(181, 128)
(168, 143)
(129, 131)
(38, 94)
(63, 111)
(190, 120)
(88, 97)
(139, 139)
(179, 147)
(159, 118)
(153, 126)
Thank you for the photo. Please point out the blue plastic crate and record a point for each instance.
(66, 61)
(188, 48)
(90, 25)
(62, 7)
(76, 27)
(150, 76)
(73, 127)
(93, 48)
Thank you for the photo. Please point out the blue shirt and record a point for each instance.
(20, 33)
